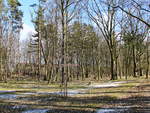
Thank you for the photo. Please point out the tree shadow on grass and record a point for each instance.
(58, 104)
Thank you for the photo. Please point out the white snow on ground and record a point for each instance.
(105, 85)
(106, 110)
(9, 96)
(36, 111)
(8, 91)
(19, 106)
(29, 93)
(109, 84)
(120, 82)
(112, 110)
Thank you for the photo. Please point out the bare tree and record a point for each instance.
(142, 5)
(103, 15)
(67, 13)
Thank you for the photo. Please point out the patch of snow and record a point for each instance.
(44, 93)
(115, 110)
(120, 82)
(124, 107)
(36, 111)
(19, 106)
(70, 92)
(9, 96)
(29, 93)
(105, 85)
(106, 111)
(109, 84)
(73, 92)
(8, 91)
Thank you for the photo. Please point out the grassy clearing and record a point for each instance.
(30, 86)
(135, 93)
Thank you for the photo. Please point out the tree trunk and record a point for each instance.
(113, 73)
(147, 59)
(134, 61)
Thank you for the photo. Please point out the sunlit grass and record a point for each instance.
(93, 98)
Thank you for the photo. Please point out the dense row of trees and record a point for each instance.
(10, 25)
(77, 39)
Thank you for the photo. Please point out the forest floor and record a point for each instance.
(131, 96)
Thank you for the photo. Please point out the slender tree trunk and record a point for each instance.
(134, 61)
(63, 51)
(78, 68)
(140, 67)
(112, 66)
(39, 54)
(147, 59)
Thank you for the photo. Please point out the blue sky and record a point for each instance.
(27, 24)
(27, 10)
